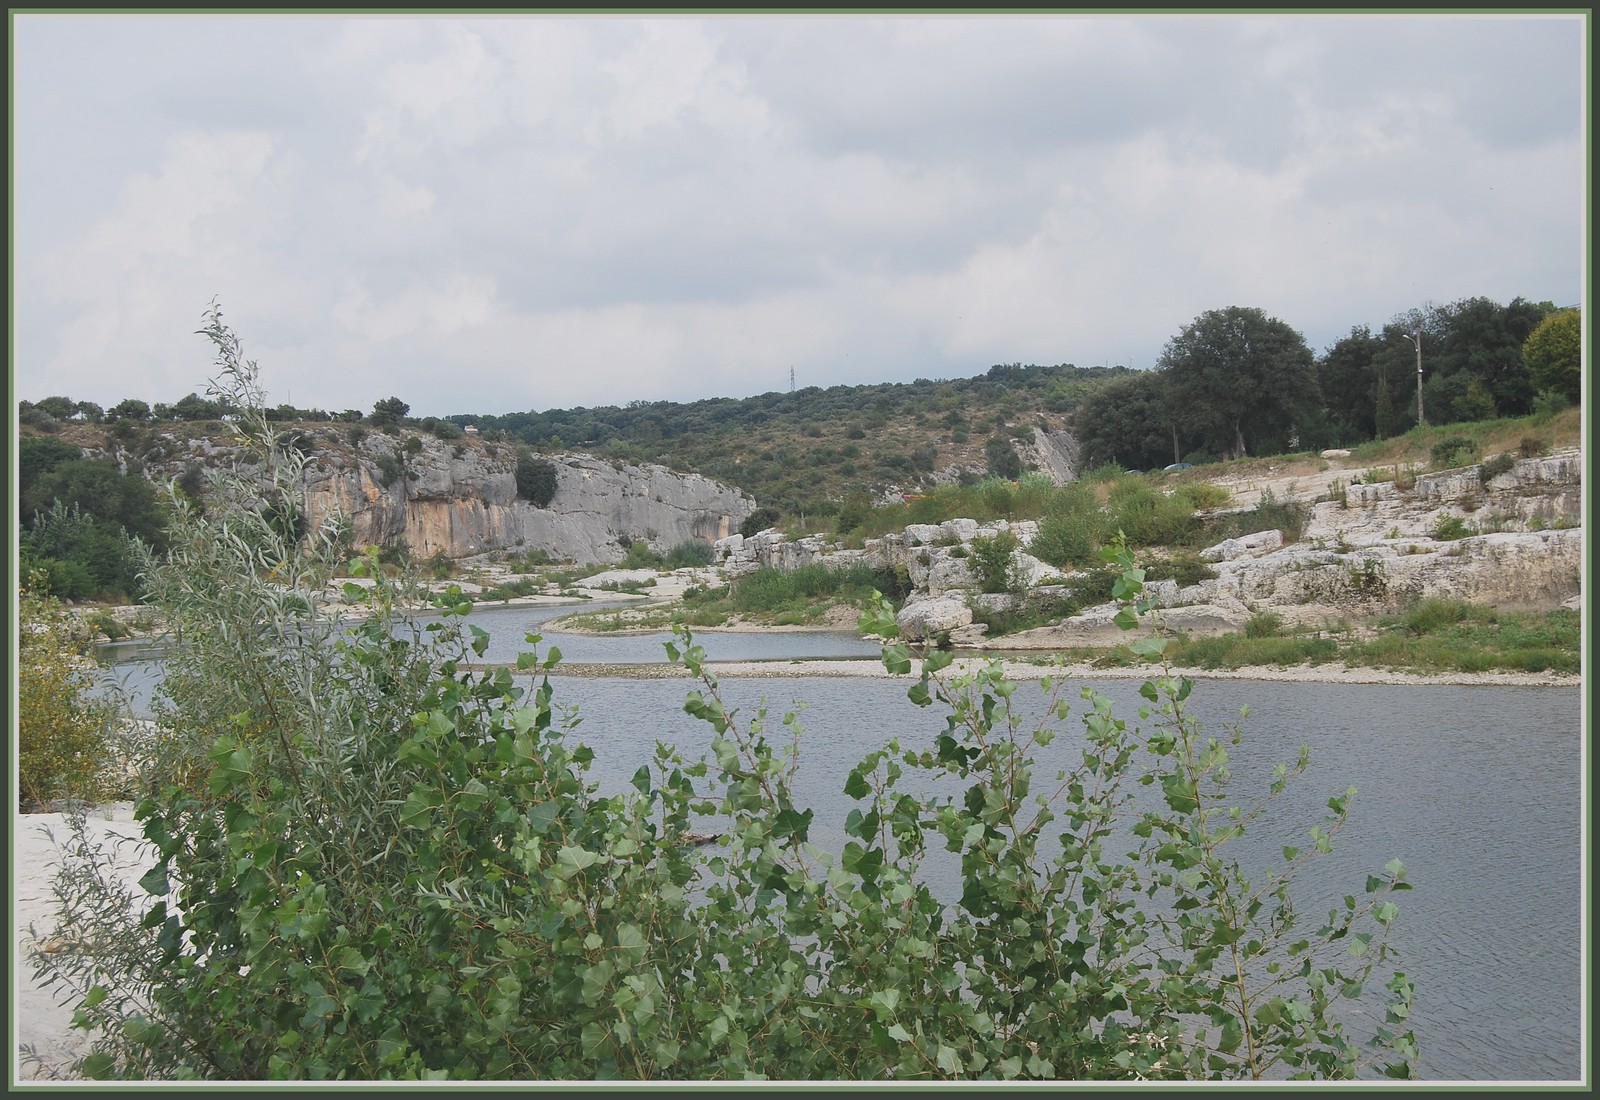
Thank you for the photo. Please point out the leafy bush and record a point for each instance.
(63, 733)
(1453, 450)
(390, 469)
(1269, 514)
(993, 562)
(641, 556)
(1184, 566)
(1004, 462)
(1068, 538)
(1493, 466)
(691, 552)
(1264, 624)
(1449, 527)
(536, 478)
(758, 521)
(1149, 517)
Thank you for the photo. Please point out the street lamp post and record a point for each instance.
(1417, 341)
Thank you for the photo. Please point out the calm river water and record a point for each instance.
(1476, 789)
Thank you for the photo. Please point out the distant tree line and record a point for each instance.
(1237, 382)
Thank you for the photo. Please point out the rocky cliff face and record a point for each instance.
(460, 498)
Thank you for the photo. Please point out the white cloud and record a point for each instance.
(574, 210)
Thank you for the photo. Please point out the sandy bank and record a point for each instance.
(1033, 668)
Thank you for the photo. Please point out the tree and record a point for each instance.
(37, 456)
(102, 491)
(1348, 377)
(536, 478)
(1483, 339)
(129, 409)
(1553, 355)
(1003, 458)
(389, 411)
(62, 408)
(1130, 421)
(194, 407)
(1385, 422)
(1244, 376)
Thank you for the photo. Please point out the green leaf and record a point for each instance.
(1150, 649)
(856, 786)
(577, 859)
(1126, 619)
(541, 816)
(98, 1067)
(154, 881)
(595, 981)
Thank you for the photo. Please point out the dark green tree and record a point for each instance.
(102, 491)
(1245, 378)
(1483, 339)
(1385, 422)
(1129, 420)
(536, 478)
(62, 408)
(37, 456)
(130, 409)
(391, 410)
(1348, 374)
(1003, 458)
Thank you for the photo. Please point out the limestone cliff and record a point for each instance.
(459, 498)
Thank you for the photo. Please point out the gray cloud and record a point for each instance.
(493, 214)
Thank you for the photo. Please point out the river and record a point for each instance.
(1477, 789)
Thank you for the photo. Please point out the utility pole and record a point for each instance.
(1417, 341)
(791, 379)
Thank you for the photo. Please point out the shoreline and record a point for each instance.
(1019, 667)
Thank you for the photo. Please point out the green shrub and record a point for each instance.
(536, 478)
(1264, 624)
(1449, 527)
(1269, 514)
(63, 733)
(641, 556)
(1068, 538)
(1452, 451)
(1184, 566)
(1493, 466)
(758, 521)
(993, 562)
(390, 469)
(689, 553)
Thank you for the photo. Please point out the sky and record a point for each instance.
(514, 213)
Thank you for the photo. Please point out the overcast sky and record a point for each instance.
(526, 212)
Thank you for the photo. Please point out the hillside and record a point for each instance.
(809, 451)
